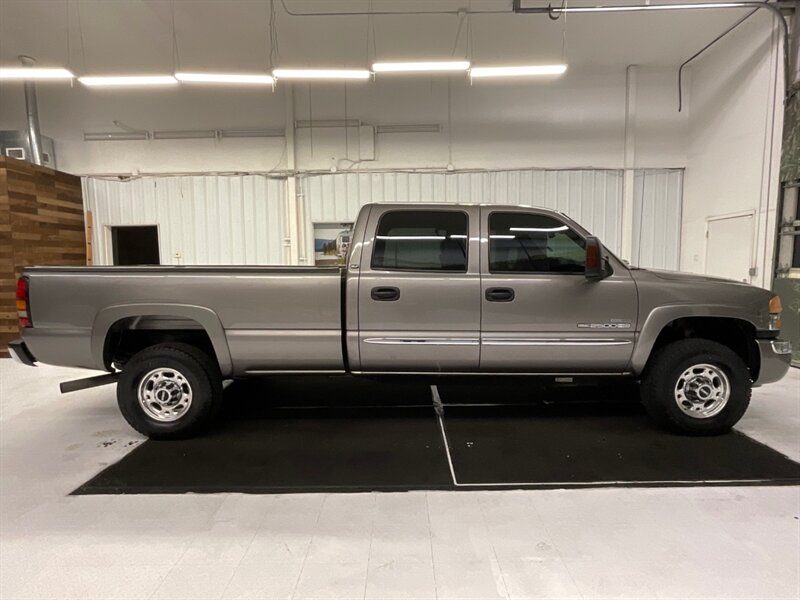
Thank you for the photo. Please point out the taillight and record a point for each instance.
(23, 310)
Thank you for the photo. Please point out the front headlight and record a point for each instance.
(775, 308)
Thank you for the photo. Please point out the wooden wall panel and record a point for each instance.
(41, 223)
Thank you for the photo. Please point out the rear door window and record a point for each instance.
(421, 240)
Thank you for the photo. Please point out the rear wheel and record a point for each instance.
(696, 387)
(169, 391)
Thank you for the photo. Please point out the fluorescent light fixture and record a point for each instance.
(244, 78)
(116, 136)
(539, 229)
(34, 73)
(421, 67)
(503, 237)
(308, 124)
(185, 135)
(636, 8)
(420, 128)
(321, 73)
(252, 133)
(127, 80)
(517, 71)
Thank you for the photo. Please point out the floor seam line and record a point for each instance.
(310, 543)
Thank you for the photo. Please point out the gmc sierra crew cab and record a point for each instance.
(425, 290)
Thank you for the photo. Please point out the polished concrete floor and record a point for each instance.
(720, 542)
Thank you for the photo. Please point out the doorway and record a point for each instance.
(135, 245)
(729, 246)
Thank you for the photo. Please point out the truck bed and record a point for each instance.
(258, 318)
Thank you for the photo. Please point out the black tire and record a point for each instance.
(199, 372)
(664, 371)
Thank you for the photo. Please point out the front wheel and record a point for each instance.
(696, 387)
(169, 391)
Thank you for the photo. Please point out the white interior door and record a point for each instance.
(729, 247)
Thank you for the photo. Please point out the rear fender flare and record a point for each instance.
(206, 317)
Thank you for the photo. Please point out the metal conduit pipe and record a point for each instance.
(555, 12)
(32, 114)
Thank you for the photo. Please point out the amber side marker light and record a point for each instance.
(775, 309)
(22, 303)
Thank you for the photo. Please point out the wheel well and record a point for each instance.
(130, 335)
(736, 334)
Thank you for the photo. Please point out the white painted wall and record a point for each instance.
(733, 145)
(575, 121)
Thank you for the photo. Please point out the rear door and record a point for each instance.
(540, 313)
(419, 290)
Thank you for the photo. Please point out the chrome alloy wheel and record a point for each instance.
(165, 395)
(702, 391)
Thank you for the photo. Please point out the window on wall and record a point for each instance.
(531, 243)
(135, 245)
(421, 240)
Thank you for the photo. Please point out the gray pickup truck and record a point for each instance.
(426, 290)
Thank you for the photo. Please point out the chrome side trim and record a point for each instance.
(398, 341)
(554, 342)
(495, 373)
(293, 372)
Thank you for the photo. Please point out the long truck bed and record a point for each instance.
(257, 318)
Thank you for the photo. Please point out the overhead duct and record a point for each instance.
(32, 114)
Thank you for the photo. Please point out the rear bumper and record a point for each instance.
(776, 358)
(20, 353)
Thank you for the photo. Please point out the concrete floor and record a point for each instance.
(727, 542)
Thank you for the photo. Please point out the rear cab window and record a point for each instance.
(421, 240)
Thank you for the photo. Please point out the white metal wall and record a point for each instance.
(211, 220)
(658, 200)
(591, 197)
(240, 219)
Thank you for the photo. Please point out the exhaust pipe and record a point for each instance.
(32, 112)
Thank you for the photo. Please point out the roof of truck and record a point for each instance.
(437, 204)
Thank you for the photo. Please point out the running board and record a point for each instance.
(88, 382)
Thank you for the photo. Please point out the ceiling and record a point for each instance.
(136, 36)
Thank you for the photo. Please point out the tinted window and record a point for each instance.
(421, 241)
(530, 243)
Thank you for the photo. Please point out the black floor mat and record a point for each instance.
(296, 435)
(344, 434)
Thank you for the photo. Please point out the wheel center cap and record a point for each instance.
(167, 393)
(704, 392)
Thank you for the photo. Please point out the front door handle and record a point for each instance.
(500, 294)
(385, 294)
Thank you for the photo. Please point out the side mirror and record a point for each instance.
(594, 259)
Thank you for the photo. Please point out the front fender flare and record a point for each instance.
(662, 316)
(206, 317)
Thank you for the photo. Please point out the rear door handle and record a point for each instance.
(385, 294)
(500, 294)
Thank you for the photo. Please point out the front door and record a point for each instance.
(419, 290)
(540, 313)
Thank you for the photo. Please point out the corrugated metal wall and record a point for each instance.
(201, 219)
(240, 219)
(658, 199)
(591, 197)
